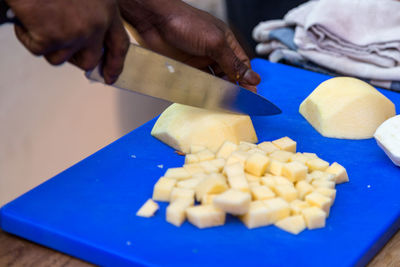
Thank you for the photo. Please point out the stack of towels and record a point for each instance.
(359, 38)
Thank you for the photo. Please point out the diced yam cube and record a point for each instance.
(267, 147)
(193, 168)
(238, 156)
(339, 171)
(239, 182)
(275, 167)
(208, 199)
(314, 217)
(178, 193)
(252, 184)
(204, 216)
(208, 167)
(296, 206)
(320, 175)
(245, 146)
(234, 169)
(256, 150)
(285, 143)
(148, 209)
(196, 148)
(317, 164)
(189, 183)
(176, 211)
(328, 192)
(280, 155)
(177, 173)
(214, 184)
(277, 209)
(280, 180)
(162, 189)
(252, 178)
(318, 200)
(303, 188)
(294, 171)
(205, 154)
(292, 224)
(310, 156)
(257, 164)
(226, 150)
(233, 201)
(287, 192)
(261, 192)
(257, 215)
(268, 181)
(218, 163)
(323, 183)
(191, 158)
(299, 157)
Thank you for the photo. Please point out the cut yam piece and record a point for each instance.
(285, 143)
(257, 216)
(176, 211)
(388, 138)
(314, 217)
(180, 126)
(339, 171)
(163, 188)
(268, 147)
(292, 224)
(256, 164)
(233, 201)
(348, 108)
(205, 216)
(148, 209)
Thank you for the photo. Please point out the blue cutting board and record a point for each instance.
(88, 211)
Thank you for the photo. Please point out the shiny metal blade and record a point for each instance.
(152, 74)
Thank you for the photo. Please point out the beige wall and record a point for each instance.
(52, 117)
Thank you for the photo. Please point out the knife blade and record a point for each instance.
(148, 73)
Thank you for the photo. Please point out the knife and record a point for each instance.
(148, 73)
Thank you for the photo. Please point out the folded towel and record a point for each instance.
(352, 37)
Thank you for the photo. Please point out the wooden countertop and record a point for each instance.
(15, 251)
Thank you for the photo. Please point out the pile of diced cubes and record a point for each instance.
(264, 184)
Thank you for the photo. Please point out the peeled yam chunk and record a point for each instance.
(176, 211)
(204, 216)
(148, 209)
(346, 108)
(233, 201)
(180, 126)
(292, 224)
(388, 138)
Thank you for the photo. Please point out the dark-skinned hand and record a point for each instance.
(177, 30)
(79, 31)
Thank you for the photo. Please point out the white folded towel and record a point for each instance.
(353, 37)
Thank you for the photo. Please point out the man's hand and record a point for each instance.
(79, 31)
(180, 31)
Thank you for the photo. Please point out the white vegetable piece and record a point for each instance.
(191, 158)
(190, 183)
(303, 188)
(204, 216)
(292, 224)
(233, 201)
(205, 154)
(275, 167)
(179, 126)
(345, 107)
(257, 216)
(213, 184)
(163, 188)
(314, 217)
(388, 138)
(285, 143)
(236, 177)
(179, 193)
(176, 211)
(177, 173)
(323, 183)
(267, 147)
(339, 171)
(226, 150)
(148, 209)
(257, 164)
(280, 155)
(193, 168)
(196, 148)
(287, 192)
(294, 171)
(261, 192)
(299, 157)
(317, 164)
(208, 199)
(296, 206)
(328, 192)
(318, 200)
(277, 209)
